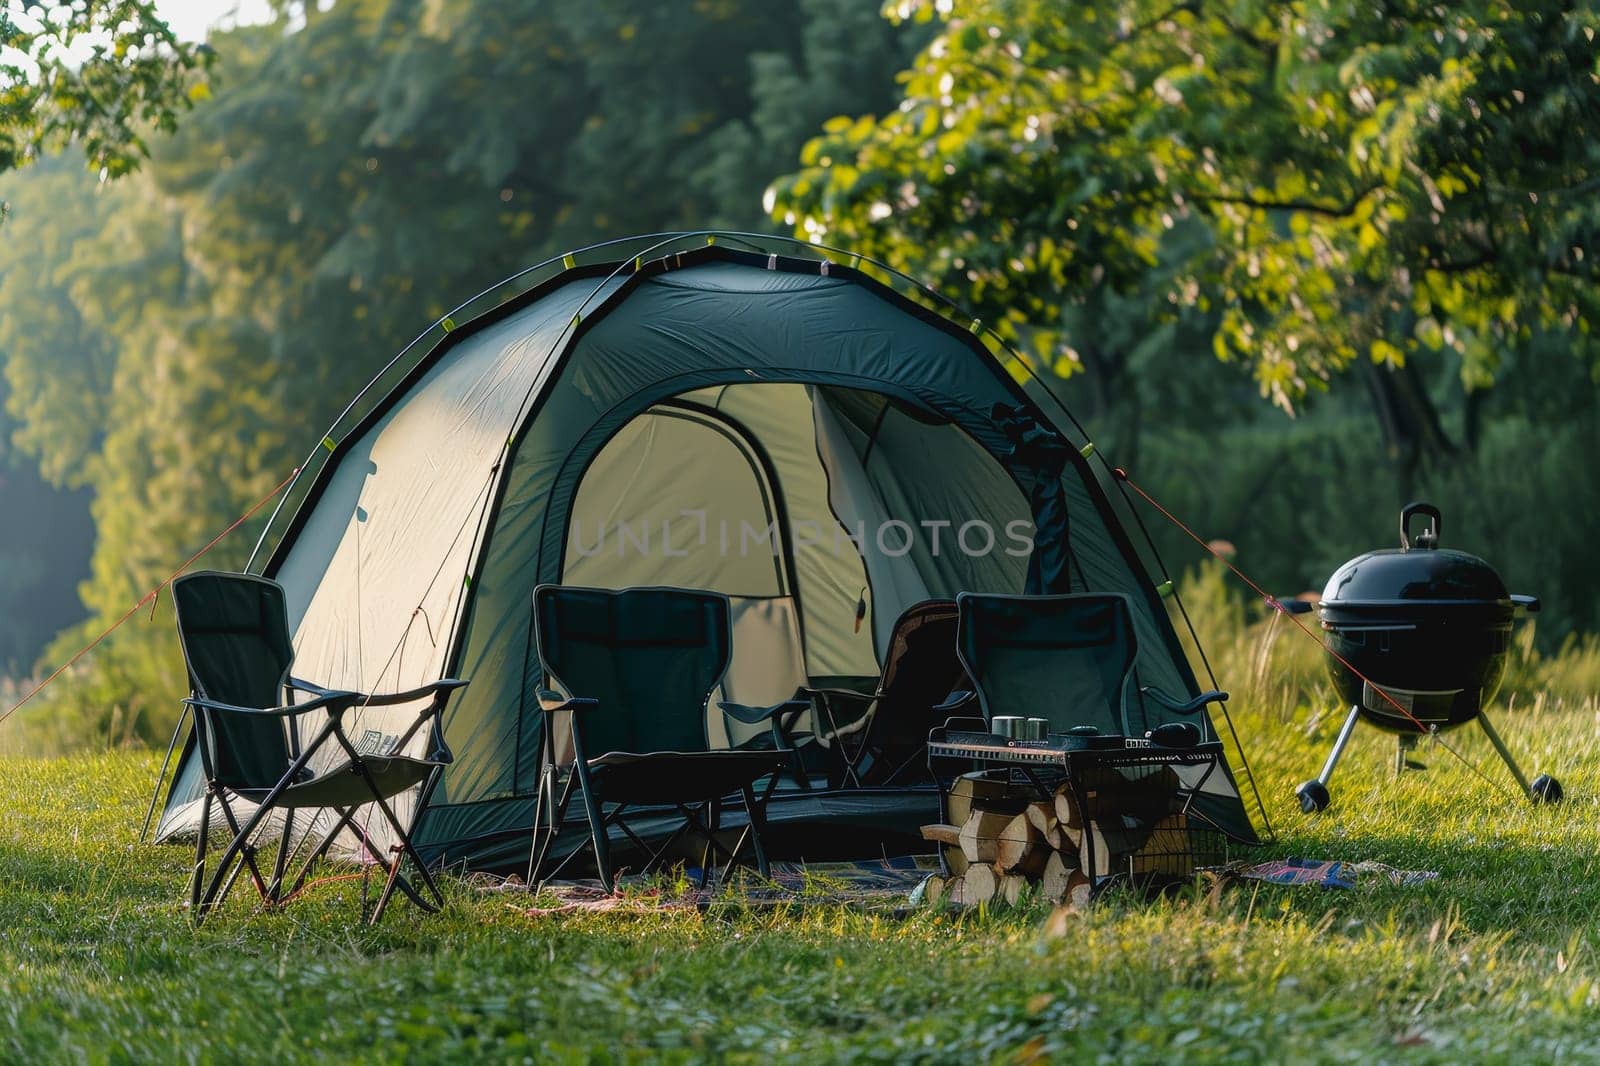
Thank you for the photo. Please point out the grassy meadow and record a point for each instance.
(1497, 960)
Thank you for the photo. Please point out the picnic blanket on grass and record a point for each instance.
(872, 883)
(1333, 873)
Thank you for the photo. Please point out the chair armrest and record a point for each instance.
(389, 699)
(848, 695)
(300, 684)
(749, 715)
(956, 701)
(550, 700)
(1180, 706)
(332, 701)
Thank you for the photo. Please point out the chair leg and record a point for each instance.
(391, 875)
(850, 762)
(393, 880)
(403, 849)
(797, 763)
(708, 857)
(234, 859)
(240, 845)
(708, 830)
(237, 849)
(757, 813)
(282, 861)
(345, 816)
(541, 798)
(653, 855)
(551, 808)
(597, 825)
(247, 852)
(558, 817)
(751, 834)
(227, 886)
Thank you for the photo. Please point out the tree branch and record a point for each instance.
(1308, 206)
(1191, 6)
(1461, 266)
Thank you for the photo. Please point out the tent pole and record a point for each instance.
(156, 791)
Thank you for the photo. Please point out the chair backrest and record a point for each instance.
(766, 666)
(651, 656)
(234, 629)
(920, 669)
(1068, 659)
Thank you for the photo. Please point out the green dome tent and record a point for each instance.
(812, 435)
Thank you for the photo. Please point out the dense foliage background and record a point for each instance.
(1294, 263)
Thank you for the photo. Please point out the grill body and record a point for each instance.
(1419, 638)
(1429, 626)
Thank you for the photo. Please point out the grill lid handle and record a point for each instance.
(1429, 537)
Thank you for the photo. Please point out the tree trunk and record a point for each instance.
(1472, 418)
(1413, 433)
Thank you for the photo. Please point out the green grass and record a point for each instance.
(1497, 960)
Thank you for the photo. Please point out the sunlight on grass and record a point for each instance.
(1496, 958)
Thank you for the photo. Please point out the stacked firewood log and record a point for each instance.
(1000, 842)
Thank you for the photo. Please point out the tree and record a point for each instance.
(1315, 185)
(98, 72)
(359, 171)
(101, 75)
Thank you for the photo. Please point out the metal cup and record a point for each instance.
(1006, 725)
(1038, 728)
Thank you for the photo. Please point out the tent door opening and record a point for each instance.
(723, 489)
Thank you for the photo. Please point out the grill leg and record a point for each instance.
(1404, 745)
(1499, 745)
(1314, 793)
(1338, 746)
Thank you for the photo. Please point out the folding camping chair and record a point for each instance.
(881, 736)
(234, 629)
(637, 668)
(1068, 659)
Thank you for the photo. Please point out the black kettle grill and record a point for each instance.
(1427, 631)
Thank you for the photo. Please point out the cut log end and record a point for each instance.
(1053, 881)
(1067, 813)
(980, 884)
(1078, 891)
(1094, 853)
(980, 835)
(1017, 839)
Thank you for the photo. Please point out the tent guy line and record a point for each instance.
(151, 597)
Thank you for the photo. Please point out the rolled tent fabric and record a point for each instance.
(1043, 454)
